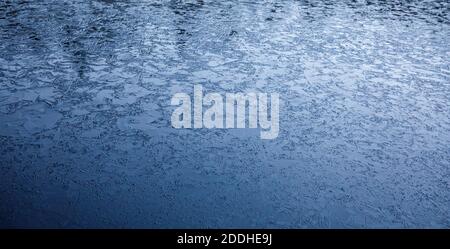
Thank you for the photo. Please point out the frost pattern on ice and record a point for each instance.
(85, 137)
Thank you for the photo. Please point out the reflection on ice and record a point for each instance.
(85, 134)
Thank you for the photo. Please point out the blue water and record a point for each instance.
(86, 138)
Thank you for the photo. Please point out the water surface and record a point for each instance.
(86, 139)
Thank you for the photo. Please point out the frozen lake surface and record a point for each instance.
(86, 139)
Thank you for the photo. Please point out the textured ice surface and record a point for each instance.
(85, 135)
